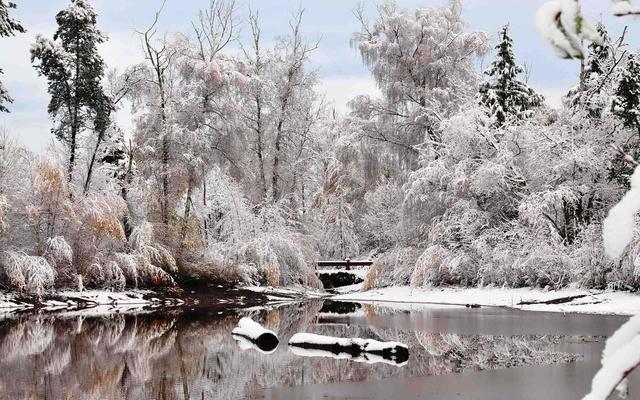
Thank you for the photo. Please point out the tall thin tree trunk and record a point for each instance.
(87, 181)
(165, 157)
(204, 203)
(72, 154)
(275, 178)
(263, 178)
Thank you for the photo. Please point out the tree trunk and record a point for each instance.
(263, 179)
(87, 181)
(72, 153)
(275, 178)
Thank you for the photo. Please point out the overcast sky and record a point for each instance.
(340, 68)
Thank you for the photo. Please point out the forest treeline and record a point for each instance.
(238, 171)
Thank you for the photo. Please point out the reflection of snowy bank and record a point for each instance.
(361, 350)
(569, 300)
(102, 302)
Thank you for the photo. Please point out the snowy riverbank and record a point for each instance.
(567, 301)
(100, 302)
(105, 301)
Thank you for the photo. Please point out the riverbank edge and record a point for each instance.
(564, 301)
(73, 300)
(136, 300)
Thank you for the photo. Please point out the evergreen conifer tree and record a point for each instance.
(626, 100)
(504, 96)
(626, 106)
(598, 55)
(8, 27)
(74, 70)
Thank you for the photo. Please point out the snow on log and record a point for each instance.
(355, 349)
(250, 334)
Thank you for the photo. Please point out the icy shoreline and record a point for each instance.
(565, 301)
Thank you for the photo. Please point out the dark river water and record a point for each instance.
(454, 353)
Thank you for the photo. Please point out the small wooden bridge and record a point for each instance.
(346, 264)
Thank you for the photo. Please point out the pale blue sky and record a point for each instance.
(341, 71)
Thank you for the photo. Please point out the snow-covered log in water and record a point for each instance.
(250, 334)
(356, 349)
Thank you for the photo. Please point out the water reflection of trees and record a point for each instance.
(178, 356)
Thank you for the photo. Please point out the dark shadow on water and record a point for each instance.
(340, 307)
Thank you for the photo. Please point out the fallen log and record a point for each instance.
(250, 334)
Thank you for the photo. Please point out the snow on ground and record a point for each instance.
(570, 300)
(98, 300)
(286, 293)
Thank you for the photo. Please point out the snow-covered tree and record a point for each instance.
(504, 95)
(74, 71)
(8, 27)
(423, 62)
(626, 101)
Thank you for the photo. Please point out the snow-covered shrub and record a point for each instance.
(12, 271)
(252, 245)
(107, 276)
(58, 252)
(216, 266)
(137, 270)
(392, 268)
(49, 207)
(142, 241)
(258, 255)
(439, 266)
(275, 260)
(99, 228)
(296, 266)
(128, 264)
(153, 275)
(31, 274)
(60, 256)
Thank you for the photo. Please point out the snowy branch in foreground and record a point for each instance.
(622, 8)
(617, 228)
(563, 25)
(619, 358)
